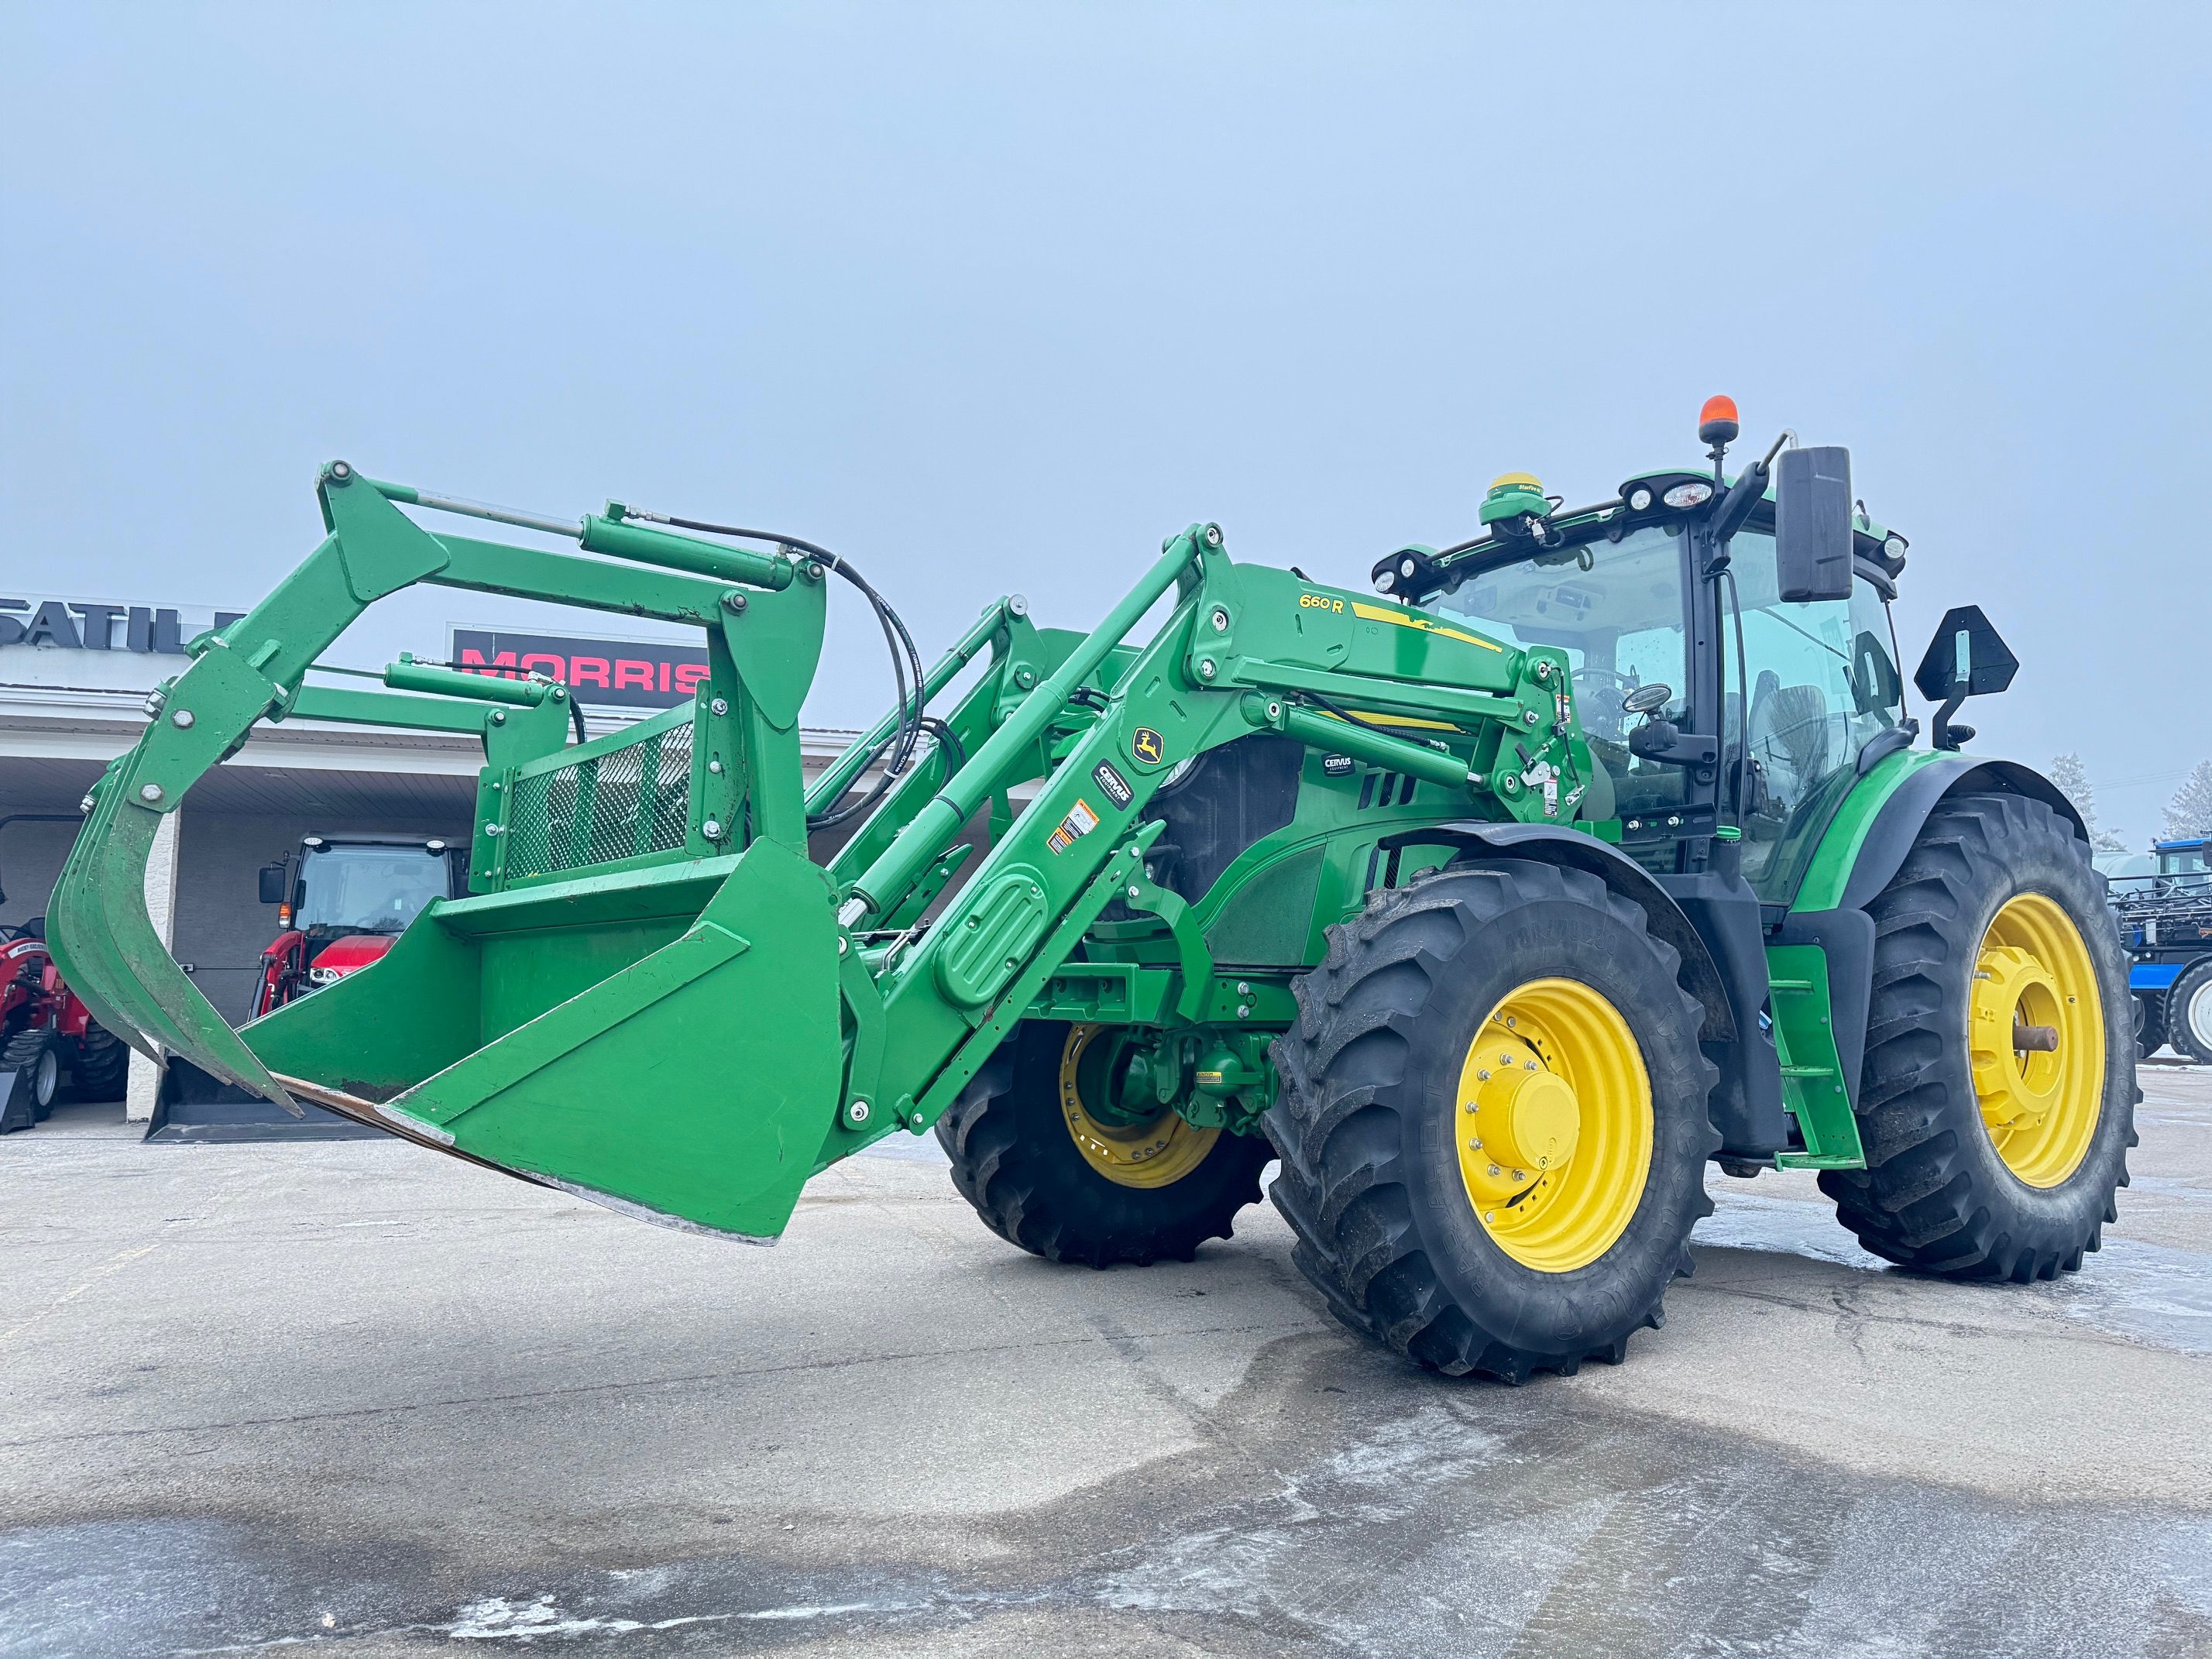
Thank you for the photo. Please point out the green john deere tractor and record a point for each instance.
(1496, 902)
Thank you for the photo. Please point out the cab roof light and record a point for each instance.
(1718, 422)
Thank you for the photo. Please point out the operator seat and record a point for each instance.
(1790, 736)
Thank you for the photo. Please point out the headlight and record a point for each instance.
(323, 975)
(1688, 495)
(1640, 500)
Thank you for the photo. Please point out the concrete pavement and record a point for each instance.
(354, 1395)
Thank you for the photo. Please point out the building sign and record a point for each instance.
(96, 625)
(626, 673)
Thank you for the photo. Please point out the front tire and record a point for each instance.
(2189, 1012)
(1986, 1159)
(1047, 1173)
(1500, 1020)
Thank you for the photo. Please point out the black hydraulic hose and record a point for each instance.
(905, 657)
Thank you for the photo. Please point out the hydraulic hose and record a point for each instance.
(899, 744)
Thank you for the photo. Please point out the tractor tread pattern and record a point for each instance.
(103, 1065)
(1922, 1200)
(2179, 1031)
(1036, 1192)
(1337, 1116)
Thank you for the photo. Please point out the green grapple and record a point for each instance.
(1262, 862)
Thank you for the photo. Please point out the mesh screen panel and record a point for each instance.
(628, 801)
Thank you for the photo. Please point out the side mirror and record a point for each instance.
(1967, 659)
(273, 883)
(1813, 530)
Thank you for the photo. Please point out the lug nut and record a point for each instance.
(1206, 669)
(151, 791)
(182, 719)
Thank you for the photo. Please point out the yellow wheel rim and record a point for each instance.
(1157, 1152)
(1554, 1125)
(2032, 978)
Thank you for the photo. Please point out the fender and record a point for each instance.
(1830, 910)
(1556, 844)
(1903, 790)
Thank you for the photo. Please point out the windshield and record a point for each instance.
(368, 890)
(1616, 609)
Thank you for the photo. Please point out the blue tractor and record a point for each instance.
(2165, 923)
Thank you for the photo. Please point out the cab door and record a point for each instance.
(1819, 682)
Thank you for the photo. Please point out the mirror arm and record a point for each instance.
(1748, 491)
(1941, 731)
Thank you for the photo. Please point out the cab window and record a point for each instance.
(1616, 609)
(1819, 681)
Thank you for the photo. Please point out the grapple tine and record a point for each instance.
(81, 945)
(105, 943)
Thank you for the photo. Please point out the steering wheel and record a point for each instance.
(1598, 692)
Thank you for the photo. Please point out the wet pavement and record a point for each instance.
(356, 1397)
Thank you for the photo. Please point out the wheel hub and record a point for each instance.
(2014, 991)
(2035, 1039)
(1554, 1125)
(1525, 1118)
(1156, 1151)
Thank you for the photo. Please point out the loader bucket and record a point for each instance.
(652, 997)
(665, 1042)
(638, 1001)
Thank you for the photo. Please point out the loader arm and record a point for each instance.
(651, 995)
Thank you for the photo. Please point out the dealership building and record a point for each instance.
(74, 678)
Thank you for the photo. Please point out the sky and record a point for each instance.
(991, 299)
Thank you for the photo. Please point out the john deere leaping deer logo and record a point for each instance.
(1148, 746)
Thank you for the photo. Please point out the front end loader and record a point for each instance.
(1498, 903)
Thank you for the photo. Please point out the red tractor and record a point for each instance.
(49, 1041)
(342, 900)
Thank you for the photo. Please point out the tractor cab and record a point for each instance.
(342, 900)
(2182, 864)
(1733, 662)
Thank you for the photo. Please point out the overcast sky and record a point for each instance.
(991, 299)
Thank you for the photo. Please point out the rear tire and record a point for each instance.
(35, 1058)
(2189, 1012)
(103, 1065)
(2150, 1023)
(1012, 1139)
(1997, 893)
(1397, 1214)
